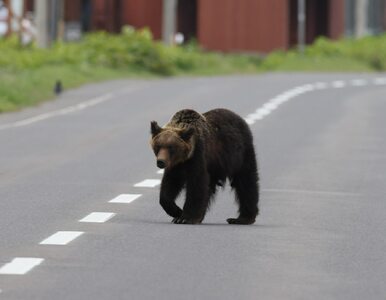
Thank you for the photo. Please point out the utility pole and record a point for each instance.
(169, 21)
(361, 11)
(56, 19)
(42, 23)
(301, 25)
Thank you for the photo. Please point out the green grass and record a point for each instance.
(27, 87)
(367, 54)
(30, 87)
(28, 74)
(320, 64)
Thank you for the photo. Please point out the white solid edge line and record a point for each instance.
(63, 111)
(20, 266)
(125, 198)
(97, 217)
(148, 183)
(68, 110)
(61, 238)
(275, 102)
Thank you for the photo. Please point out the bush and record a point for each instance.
(28, 74)
(130, 49)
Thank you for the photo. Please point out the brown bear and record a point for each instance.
(199, 152)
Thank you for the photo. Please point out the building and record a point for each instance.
(231, 25)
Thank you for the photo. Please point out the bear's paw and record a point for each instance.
(241, 221)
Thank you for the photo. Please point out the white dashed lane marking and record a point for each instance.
(358, 82)
(61, 238)
(320, 85)
(148, 183)
(125, 198)
(380, 81)
(20, 265)
(98, 217)
(338, 84)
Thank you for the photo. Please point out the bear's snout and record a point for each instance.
(161, 164)
(162, 158)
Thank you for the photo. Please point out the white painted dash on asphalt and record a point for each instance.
(125, 198)
(338, 84)
(358, 82)
(97, 217)
(61, 238)
(249, 121)
(148, 183)
(320, 85)
(380, 81)
(20, 265)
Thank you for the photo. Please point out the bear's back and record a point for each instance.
(229, 129)
(186, 117)
(226, 120)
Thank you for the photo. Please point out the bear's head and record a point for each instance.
(171, 145)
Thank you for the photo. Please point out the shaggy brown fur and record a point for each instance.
(199, 152)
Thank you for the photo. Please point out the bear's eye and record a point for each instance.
(156, 149)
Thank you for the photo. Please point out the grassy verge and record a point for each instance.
(27, 75)
(27, 87)
(346, 55)
(20, 88)
(319, 64)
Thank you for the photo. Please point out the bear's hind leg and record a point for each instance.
(246, 187)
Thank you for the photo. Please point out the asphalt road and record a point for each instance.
(321, 143)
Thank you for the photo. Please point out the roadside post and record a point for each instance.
(301, 25)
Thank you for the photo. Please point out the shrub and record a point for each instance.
(130, 49)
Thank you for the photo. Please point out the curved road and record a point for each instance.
(321, 144)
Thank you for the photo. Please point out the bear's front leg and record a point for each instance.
(197, 199)
(171, 186)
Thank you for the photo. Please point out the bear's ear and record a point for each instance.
(187, 134)
(154, 128)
